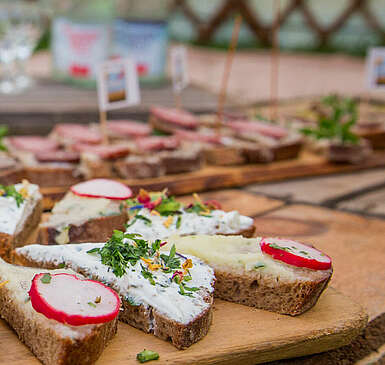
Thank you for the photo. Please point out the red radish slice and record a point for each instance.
(73, 301)
(102, 188)
(295, 253)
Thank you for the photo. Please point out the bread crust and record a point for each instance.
(9, 242)
(224, 156)
(46, 344)
(94, 230)
(147, 319)
(51, 176)
(264, 292)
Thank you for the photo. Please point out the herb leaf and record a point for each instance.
(46, 278)
(147, 355)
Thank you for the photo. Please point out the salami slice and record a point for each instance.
(258, 127)
(184, 135)
(155, 143)
(58, 156)
(129, 128)
(77, 133)
(108, 152)
(181, 118)
(33, 143)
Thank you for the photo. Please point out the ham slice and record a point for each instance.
(265, 129)
(157, 143)
(129, 128)
(184, 135)
(33, 143)
(58, 156)
(77, 133)
(108, 152)
(180, 118)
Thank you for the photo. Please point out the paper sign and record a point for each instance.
(179, 71)
(375, 69)
(118, 85)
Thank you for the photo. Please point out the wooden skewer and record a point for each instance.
(226, 73)
(274, 73)
(103, 125)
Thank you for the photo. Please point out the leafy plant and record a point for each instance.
(337, 121)
(3, 133)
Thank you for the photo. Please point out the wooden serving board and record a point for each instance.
(238, 335)
(215, 177)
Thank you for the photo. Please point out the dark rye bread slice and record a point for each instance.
(94, 230)
(270, 284)
(143, 317)
(9, 242)
(46, 338)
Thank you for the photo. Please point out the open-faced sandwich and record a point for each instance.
(20, 212)
(156, 215)
(167, 294)
(62, 318)
(89, 212)
(274, 274)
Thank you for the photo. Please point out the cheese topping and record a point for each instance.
(74, 209)
(161, 227)
(239, 253)
(133, 286)
(12, 216)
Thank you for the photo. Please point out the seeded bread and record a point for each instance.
(81, 219)
(155, 314)
(247, 276)
(9, 241)
(52, 342)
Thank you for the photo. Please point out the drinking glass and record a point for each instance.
(21, 25)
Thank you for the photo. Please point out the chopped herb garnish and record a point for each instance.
(46, 278)
(147, 275)
(10, 191)
(3, 133)
(131, 301)
(170, 260)
(277, 247)
(147, 221)
(259, 266)
(304, 253)
(92, 304)
(178, 222)
(147, 355)
(62, 265)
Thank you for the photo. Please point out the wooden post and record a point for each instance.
(226, 73)
(103, 125)
(274, 70)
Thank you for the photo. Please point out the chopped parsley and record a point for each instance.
(92, 304)
(124, 250)
(259, 265)
(131, 301)
(46, 278)
(178, 222)
(10, 191)
(147, 355)
(3, 133)
(147, 221)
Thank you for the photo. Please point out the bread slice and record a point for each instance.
(245, 275)
(159, 309)
(52, 342)
(82, 219)
(18, 220)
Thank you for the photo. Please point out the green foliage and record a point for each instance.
(3, 133)
(336, 123)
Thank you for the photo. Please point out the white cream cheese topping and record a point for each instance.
(220, 222)
(13, 217)
(238, 253)
(74, 209)
(163, 297)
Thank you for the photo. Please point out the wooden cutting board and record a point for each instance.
(238, 335)
(216, 177)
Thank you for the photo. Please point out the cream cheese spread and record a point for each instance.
(186, 223)
(164, 297)
(74, 209)
(239, 254)
(12, 216)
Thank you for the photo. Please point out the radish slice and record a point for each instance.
(102, 188)
(73, 301)
(295, 253)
